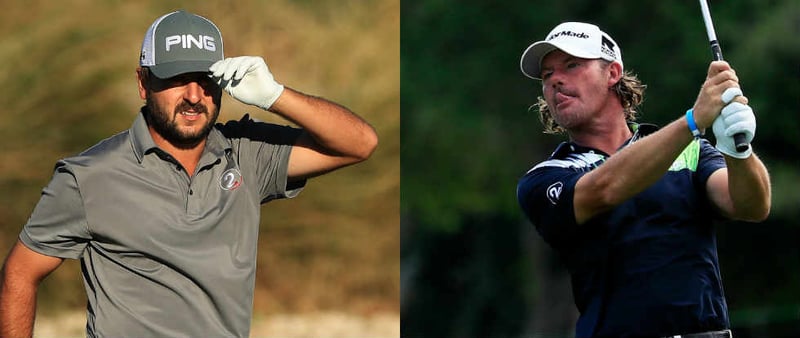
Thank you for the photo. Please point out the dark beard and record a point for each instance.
(164, 124)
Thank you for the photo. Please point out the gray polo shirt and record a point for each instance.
(163, 254)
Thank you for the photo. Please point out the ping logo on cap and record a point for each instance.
(186, 41)
(181, 42)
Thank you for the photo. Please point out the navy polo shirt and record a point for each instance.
(649, 266)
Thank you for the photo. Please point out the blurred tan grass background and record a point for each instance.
(68, 78)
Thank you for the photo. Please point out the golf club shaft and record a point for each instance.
(716, 52)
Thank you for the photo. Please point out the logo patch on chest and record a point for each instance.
(554, 192)
(230, 179)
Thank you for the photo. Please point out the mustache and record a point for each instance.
(565, 91)
(185, 106)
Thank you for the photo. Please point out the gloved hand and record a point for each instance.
(734, 118)
(248, 80)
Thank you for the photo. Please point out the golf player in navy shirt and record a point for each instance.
(629, 207)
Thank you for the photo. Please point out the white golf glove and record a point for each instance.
(248, 80)
(734, 118)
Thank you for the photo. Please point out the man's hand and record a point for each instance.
(247, 79)
(735, 118)
(720, 78)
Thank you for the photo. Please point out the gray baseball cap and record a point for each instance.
(180, 42)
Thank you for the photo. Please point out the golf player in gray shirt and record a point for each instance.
(164, 216)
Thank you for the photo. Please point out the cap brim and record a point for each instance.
(531, 60)
(170, 69)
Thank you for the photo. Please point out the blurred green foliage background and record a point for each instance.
(68, 81)
(472, 265)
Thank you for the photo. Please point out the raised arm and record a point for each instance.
(22, 272)
(742, 190)
(638, 166)
(334, 137)
(630, 171)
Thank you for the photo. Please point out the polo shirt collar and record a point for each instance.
(142, 142)
(217, 144)
(639, 130)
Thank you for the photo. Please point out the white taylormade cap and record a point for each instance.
(180, 42)
(578, 39)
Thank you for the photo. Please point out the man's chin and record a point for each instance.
(196, 132)
(187, 137)
(187, 141)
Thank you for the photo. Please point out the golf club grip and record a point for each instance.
(738, 138)
(740, 142)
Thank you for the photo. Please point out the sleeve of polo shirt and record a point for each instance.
(57, 226)
(710, 161)
(265, 148)
(546, 195)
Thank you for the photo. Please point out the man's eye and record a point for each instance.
(546, 75)
(205, 81)
(572, 65)
(176, 81)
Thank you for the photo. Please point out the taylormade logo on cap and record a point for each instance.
(181, 42)
(578, 39)
(567, 33)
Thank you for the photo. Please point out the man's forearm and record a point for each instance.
(17, 308)
(749, 187)
(22, 272)
(333, 127)
(630, 171)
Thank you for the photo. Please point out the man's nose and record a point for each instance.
(193, 93)
(555, 80)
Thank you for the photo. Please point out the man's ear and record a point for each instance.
(142, 75)
(615, 73)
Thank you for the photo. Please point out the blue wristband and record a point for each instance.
(692, 125)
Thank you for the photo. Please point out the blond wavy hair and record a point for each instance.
(629, 89)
